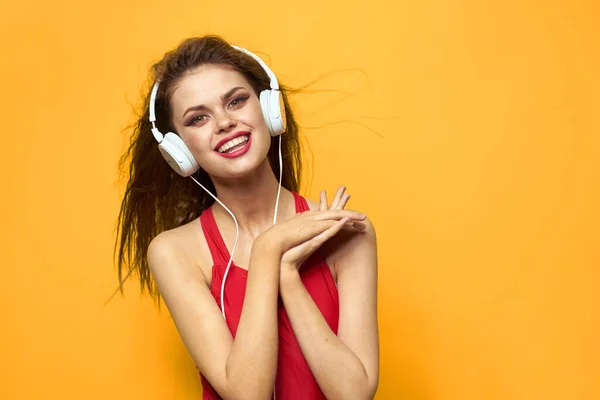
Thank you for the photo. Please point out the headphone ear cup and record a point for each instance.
(266, 110)
(273, 110)
(177, 155)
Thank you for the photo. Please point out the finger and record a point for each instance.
(323, 203)
(337, 215)
(344, 201)
(308, 232)
(337, 198)
(318, 240)
(306, 248)
(317, 232)
(355, 225)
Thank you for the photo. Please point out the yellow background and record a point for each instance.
(466, 130)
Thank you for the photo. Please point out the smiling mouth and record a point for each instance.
(234, 145)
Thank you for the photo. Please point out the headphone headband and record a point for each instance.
(273, 83)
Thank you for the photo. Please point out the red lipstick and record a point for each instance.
(238, 152)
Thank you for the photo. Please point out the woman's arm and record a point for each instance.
(345, 366)
(244, 367)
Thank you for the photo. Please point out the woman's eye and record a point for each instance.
(238, 102)
(198, 119)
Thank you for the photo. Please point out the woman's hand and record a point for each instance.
(319, 233)
(339, 202)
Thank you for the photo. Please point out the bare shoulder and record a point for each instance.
(181, 250)
(163, 248)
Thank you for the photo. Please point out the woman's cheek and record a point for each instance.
(198, 144)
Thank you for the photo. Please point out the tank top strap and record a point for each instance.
(301, 204)
(218, 251)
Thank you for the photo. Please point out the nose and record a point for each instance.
(225, 122)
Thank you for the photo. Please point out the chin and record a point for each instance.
(241, 167)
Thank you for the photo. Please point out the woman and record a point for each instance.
(299, 319)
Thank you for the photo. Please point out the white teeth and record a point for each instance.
(232, 143)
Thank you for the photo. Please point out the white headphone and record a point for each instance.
(181, 159)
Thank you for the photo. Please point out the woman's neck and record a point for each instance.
(252, 200)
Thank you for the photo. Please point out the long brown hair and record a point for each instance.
(156, 198)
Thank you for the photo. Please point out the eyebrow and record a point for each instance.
(202, 106)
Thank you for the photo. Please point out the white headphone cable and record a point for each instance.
(280, 177)
(237, 228)
(234, 243)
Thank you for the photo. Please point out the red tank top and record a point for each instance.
(294, 379)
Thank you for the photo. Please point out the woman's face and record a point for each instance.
(218, 115)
